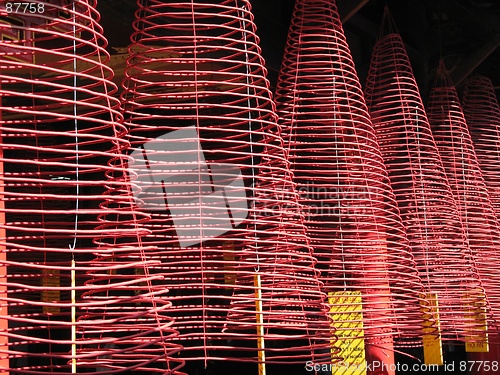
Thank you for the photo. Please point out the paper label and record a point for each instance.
(433, 346)
(476, 341)
(346, 310)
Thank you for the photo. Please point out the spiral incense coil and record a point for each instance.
(482, 113)
(469, 189)
(351, 213)
(425, 199)
(77, 292)
(213, 176)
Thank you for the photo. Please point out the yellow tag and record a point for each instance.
(477, 341)
(433, 346)
(346, 310)
(260, 325)
(50, 278)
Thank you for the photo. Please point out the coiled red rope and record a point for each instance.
(351, 213)
(482, 113)
(425, 199)
(211, 165)
(76, 280)
(469, 189)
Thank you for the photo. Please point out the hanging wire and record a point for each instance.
(250, 132)
(77, 203)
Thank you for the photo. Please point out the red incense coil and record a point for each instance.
(425, 199)
(467, 183)
(67, 195)
(211, 166)
(482, 113)
(351, 213)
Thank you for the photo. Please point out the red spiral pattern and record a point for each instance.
(467, 183)
(67, 195)
(200, 115)
(351, 212)
(482, 113)
(424, 196)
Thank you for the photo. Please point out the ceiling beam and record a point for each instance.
(362, 24)
(462, 13)
(475, 59)
(349, 8)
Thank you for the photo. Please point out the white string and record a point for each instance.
(250, 133)
(424, 197)
(199, 152)
(72, 246)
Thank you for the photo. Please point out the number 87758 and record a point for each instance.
(23, 8)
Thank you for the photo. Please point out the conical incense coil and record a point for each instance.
(212, 171)
(350, 211)
(469, 189)
(482, 113)
(77, 293)
(424, 196)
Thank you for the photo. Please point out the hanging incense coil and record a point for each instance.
(77, 292)
(213, 176)
(482, 113)
(469, 189)
(425, 199)
(350, 210)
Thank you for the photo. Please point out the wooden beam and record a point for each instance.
(347, 9)
(462, 13)
(474, 60)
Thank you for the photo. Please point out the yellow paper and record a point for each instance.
(433, 346)
(346, 310)
(477, 341)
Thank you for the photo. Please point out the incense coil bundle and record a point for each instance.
(425, 199)
(213, 176)
(482, 113)
(467, 183)
(77, 294)
(350, 211)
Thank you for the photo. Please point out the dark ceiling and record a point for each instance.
(465, 33)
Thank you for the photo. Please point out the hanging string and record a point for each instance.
(199, 151)
(75, 114)
(250, 133)
(257, 277)
(72, 246)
